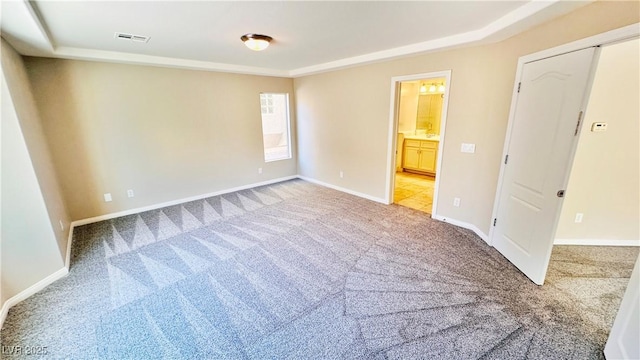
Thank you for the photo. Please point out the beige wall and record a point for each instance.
(605, 177)
(350, 133)
(165, 133)
(26, 109)
(28, 246)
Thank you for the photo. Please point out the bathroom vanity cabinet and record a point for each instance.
(420, 155)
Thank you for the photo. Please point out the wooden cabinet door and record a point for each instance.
(411, 158)
(427, 160)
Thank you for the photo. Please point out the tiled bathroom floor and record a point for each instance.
(414, 191)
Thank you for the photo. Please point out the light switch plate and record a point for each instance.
(468, 148)
(107, 197)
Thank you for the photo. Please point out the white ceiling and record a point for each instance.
(309, 37)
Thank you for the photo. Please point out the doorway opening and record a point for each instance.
(417, 126)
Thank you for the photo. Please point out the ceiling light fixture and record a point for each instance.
(256, 42)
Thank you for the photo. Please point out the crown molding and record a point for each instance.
(139, 59)
(44, 31)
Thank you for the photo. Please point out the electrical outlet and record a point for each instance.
(578, 218)
(456, 202)
(259, 170)
(599, 126)
(341, 174)
(107, 197)
(130, 193)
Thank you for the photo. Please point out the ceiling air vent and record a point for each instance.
(131, 37)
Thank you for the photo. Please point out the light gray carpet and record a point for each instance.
(298, 271)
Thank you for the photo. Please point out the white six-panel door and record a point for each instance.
(540, 152)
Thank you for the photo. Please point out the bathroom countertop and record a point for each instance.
(423, 137)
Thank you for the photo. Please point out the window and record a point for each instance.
(275, 126)
(266, 103)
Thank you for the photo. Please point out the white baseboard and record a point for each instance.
(463, 224)
(12, 301)
(67, 258)
(345, 190)
(160, 206)
(597, 242)
(176, 202)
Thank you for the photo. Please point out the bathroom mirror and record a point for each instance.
(429, 113)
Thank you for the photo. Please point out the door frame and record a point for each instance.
(618, 35)
(393, 131)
